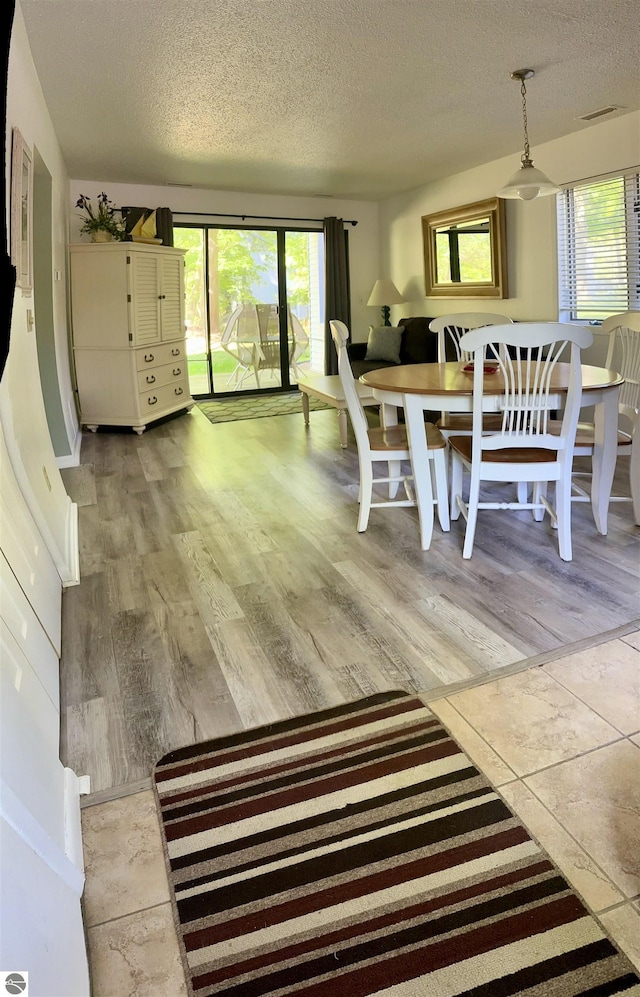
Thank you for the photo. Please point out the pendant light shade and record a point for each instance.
(529, 182)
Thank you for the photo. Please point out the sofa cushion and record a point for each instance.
(419, 344)
(384, 343)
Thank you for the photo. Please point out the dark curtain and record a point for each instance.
(7, 270)
(164, 225)
(337, 303)
(164, 222)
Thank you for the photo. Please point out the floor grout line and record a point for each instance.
(139, 910)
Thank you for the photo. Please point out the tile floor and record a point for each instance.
(560, 741)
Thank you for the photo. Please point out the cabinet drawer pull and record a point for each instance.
(149, 358)
(151, 379)
(177, 371)
(178, 391)
(152, 400)
(175, 352)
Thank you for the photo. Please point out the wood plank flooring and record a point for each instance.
(224, 586)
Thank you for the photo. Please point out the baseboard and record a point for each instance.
(72, 459)
(72, 825)
(72, 546)
(20, 818)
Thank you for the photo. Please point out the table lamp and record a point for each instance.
(384, 294)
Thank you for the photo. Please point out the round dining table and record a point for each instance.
(446, 387)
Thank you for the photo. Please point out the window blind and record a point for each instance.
(599, 248)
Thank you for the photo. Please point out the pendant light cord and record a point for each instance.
(525, 156)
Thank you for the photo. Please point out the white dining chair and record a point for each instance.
(623, 355)
(450, 329)
(524, 449)
(390, 444)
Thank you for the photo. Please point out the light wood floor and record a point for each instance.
(224, 586)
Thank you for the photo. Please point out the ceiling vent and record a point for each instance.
(175, 183)
(598, 114)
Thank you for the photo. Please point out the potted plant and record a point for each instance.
(102, 226)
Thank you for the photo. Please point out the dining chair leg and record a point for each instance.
(634, 472)
(395, 467)
(425, 512)
(366, 494)
(439, 482)
(523, 491)
(539, 489)
(563, 513)
(472, 515)
(456, 485)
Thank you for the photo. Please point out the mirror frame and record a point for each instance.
(493, 208)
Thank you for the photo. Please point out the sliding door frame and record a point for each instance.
(281, 234)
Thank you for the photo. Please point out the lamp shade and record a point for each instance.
(528, 183)
(385, 292)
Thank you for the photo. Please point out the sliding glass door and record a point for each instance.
(254, 307)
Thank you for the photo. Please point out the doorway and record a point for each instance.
(254, 307)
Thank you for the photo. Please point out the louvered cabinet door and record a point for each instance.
(145, 281)
(172, 297)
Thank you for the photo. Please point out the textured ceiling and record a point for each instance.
(353, 98)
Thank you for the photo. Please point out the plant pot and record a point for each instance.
(101, 235)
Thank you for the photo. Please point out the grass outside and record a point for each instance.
(223, 365)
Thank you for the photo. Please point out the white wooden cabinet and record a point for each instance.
(127, 302)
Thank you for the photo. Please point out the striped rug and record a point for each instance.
(359, 851)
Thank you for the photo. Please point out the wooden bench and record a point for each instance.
(329, 389)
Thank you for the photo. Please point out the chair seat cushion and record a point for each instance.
(585, 434)
(511, 455)
(395, 438)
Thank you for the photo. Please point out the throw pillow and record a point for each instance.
(384, 343)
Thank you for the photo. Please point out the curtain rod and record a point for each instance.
(270, 218)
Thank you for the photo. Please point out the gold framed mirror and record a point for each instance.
(465, 252)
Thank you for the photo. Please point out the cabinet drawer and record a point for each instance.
(156, 377)
(157, 355)
(168, 396)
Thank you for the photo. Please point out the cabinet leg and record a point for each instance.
(139, 429)
(94, 429)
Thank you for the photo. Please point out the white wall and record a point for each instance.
(363, 237)
(531, 225)
(41, 873)
(21, 405)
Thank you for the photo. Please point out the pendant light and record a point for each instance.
(528, 182)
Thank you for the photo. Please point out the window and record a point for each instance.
(599, 248)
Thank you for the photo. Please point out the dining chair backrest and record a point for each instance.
(623, 355)
(340, 334)
(527, 368)
(451, 328)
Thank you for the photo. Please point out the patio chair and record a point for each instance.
(239, 338)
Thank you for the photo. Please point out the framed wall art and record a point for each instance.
(22, 211)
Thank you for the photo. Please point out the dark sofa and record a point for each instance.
(418, 346)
